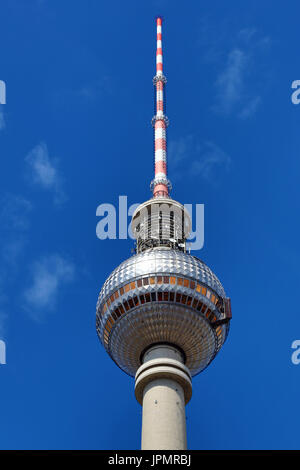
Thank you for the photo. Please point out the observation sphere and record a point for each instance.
(162, 295)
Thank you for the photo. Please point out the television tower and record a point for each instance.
(162, 315)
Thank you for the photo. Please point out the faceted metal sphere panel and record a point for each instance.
(161, 261)
(161, 295)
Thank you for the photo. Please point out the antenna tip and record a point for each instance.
(159, 19)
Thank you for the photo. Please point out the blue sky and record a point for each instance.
(74, 133)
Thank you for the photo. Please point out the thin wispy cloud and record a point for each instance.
(94, 90)
(188, 157)
(250, 108)
(49, 274)
(14, 213)
(247, 34)
(44, 172)
(86, 93)
(211, 160)
(230, 82)
(239, 58)
(252, 38)
(235, 87)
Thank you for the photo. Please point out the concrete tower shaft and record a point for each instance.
(163, 387)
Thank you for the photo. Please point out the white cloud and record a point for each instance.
(44, 171)
(211, 159)
(84, 93)
(179, 149)
(48, 276)
(247, 34)
(188, 157)
(230, 82)
(250, 108)
(94, 90)
(241, 79)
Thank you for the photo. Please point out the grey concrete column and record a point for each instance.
(163, 387)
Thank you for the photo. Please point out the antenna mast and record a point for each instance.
(160, 186)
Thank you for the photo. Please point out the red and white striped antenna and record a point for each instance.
(160, 185)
